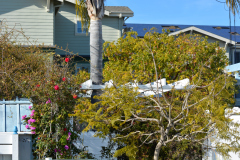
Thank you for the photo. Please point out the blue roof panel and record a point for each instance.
(141, 29)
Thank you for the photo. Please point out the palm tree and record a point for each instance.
(91, 13)
(234, 5)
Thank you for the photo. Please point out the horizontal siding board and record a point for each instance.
(31, 16)
(5, 149)
(65, 32)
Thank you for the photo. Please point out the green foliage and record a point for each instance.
(47, 80)
(182, 117)
(82, 13)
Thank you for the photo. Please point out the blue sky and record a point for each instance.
(195, 12)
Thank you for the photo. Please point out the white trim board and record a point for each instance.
(5, 149)
(193, 28)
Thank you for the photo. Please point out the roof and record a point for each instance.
(118, 9)
(219, 32)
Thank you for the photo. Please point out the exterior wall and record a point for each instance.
(112, 28)
(31, 16)
(65, 37)
(65, 23)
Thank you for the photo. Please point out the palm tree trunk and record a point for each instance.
(96, 55)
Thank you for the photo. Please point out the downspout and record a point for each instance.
(119, 26)
(48, 5)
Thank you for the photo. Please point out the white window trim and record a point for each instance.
(76, 33)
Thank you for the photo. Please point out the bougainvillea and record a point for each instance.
(49, 120)
(47, 80)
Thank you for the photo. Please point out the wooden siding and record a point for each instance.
(112, 28)
(31, 16)
(65, 37)
(65, 32)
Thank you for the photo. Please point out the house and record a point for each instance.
(54, 22)
(228, 37)
(49, 23)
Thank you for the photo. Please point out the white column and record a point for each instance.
(15, 147)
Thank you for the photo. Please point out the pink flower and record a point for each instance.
(56, 87)
(33, 132)
(48, 101)
(30, 107)
(32, 111)
(32, 128)
(69, 134)
(27, 126)
(32, 114)
(64, 78)
(23, 117)
(31, 121)
(66, 147)
(55, 150)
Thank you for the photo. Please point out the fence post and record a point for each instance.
(15, 144)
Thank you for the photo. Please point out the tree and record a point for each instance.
(31, 72)
(182, 117)
(234, 5)
(91, 12)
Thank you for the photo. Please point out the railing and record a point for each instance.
(11, 113)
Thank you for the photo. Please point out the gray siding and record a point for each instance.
(65, 32)
(112, 28)
(31, 16)
(65, 37)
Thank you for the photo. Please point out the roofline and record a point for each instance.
(203, 32)
(118, 14)
(108, 13)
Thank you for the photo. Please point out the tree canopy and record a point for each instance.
(179, 116)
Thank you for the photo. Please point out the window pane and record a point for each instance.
(79, 27)
(237, 57)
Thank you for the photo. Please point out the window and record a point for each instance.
(83, 66)
(78, 28)
(236, 57)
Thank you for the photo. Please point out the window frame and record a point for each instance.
(76, 28)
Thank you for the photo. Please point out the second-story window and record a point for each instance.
(79, 29)
(236, 57)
